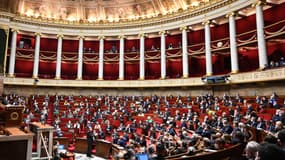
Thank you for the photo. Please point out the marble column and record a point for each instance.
(162, 55)
(262, 52)
(209, 67)
(13, 53)
(58, 58)
(80, 58)
(101, 58)
(121, 59)
(37, 55)
(185, 52)
(142, 66)
(233, 43)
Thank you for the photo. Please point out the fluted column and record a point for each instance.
(13, 53)
(209, 67)
(184, 52)
(162, 55)
(37, 55)
(233, 43)
(58, 58)
(142, 57)
(121, 60)
(101, 58)
(80, 58)
(262, 53)
(7, 31)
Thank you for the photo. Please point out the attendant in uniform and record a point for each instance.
(89, 142)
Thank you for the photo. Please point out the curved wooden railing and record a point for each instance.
(234, 153)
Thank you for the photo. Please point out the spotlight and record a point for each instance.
(36, 80)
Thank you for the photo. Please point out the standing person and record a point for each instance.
(89, 142)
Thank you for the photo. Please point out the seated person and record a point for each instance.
(133, 49)
(251, 149)
(69, 125)
(268, 151)
(170, 46)
(58, 131)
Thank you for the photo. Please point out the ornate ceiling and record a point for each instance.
(105, 11)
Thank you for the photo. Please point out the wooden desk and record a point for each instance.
(118, 152)
(17, 145)
(103, 148)
(81, 145)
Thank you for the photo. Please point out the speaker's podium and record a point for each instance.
(11, 115)
(103, 148)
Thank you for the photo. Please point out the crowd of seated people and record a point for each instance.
(276, 64)
(161, 125)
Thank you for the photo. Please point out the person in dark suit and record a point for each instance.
(89, 142)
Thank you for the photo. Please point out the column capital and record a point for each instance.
(183, 28)
(142, 35)
(206, 22)
(38, 34)
(231, 14)
(162, 32)
(101, 37)
(121, 36)
(81, 37)
(59, 36)
(258, 3)
(15, 30)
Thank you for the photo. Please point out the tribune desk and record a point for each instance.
(16, 144)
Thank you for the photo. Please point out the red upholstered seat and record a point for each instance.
(71, 148)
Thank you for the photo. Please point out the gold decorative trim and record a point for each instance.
(100, 79)
(142, 35)
(57, 78)
(206, 22)
(161, 19)
(79, 78)
(6, 29)
(38, 34)
(185, 76)
(35, 77)
(80, 37)
(239, 78)
(14, 116)
(11, 75)
(231, 14)
(59, 36)
(183, 28)
(209, 74)
(234, 71)
(101, 37)
(161, 32)
(258, 3)
(121, 36)
(15, 30)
